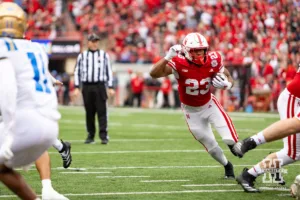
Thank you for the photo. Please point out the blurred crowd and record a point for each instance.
(259, 40)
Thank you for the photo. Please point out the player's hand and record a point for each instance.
(221, 81)
(57, 82)
(173, 51)
(111, 92)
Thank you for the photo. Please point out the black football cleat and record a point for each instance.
(246, 180)
(89, 141)
(105, 141)
(66, 154)
(240, 148)
(229, 172)
(232, 150)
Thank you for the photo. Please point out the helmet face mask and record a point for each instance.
(195, 48)
(12, 20)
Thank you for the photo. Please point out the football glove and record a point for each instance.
(173, 51)
(220, 81)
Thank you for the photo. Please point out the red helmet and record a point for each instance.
(195, 41)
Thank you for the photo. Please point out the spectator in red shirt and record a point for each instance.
(137, 86)
(166, 88)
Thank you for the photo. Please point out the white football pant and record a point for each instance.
(33, 135)
(199, 120)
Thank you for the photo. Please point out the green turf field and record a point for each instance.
(152, 156)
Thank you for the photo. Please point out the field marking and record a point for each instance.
(152, 151)
(208, 185)
(168, 167)
(162, 181)
(274, 189)
(147, 167)
(80, 110)
(85, 172)
(122, 176)
(150, 125)
(72, 169)
(140, 193)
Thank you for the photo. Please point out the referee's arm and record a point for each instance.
(77, 72)
(109, 75)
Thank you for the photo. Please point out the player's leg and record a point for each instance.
(64, 148)
(248, 176)
(15, 182)
(222, 123)
(30, 140)
(201, 130)
(43, 166)
(289, 125)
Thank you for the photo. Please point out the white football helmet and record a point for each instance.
(195, 41)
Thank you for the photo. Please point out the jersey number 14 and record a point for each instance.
(39, 77)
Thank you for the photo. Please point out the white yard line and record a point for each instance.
(122, 176)
(274, 188)
(162, 181)
(151, 151)
(208, 185)
(85, 172)
(80, 110)
(149, 167)
(141, 193)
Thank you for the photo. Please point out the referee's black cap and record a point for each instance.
(93, 37)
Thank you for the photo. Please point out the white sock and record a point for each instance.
(218, 155)
(256, 170)
(259, 138)
(46, 183)
(58, 145)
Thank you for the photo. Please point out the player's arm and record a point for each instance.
(161, 68)
(282, 129)
(8, 103)
(54, 80)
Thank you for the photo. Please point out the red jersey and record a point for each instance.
(194, 81)
(137, 84)
(294, 86)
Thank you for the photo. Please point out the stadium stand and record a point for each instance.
(259, 40)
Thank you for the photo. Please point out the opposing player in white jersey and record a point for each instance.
(28, 101)
(289, 108)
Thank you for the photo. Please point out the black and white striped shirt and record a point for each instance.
(93, 67)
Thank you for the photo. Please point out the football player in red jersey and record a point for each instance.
(288, 128)
(195, 69)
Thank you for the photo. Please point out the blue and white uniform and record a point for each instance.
(28, 102)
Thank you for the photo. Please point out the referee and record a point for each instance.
(93, 70)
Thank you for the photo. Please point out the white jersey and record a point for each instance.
(34, 89)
